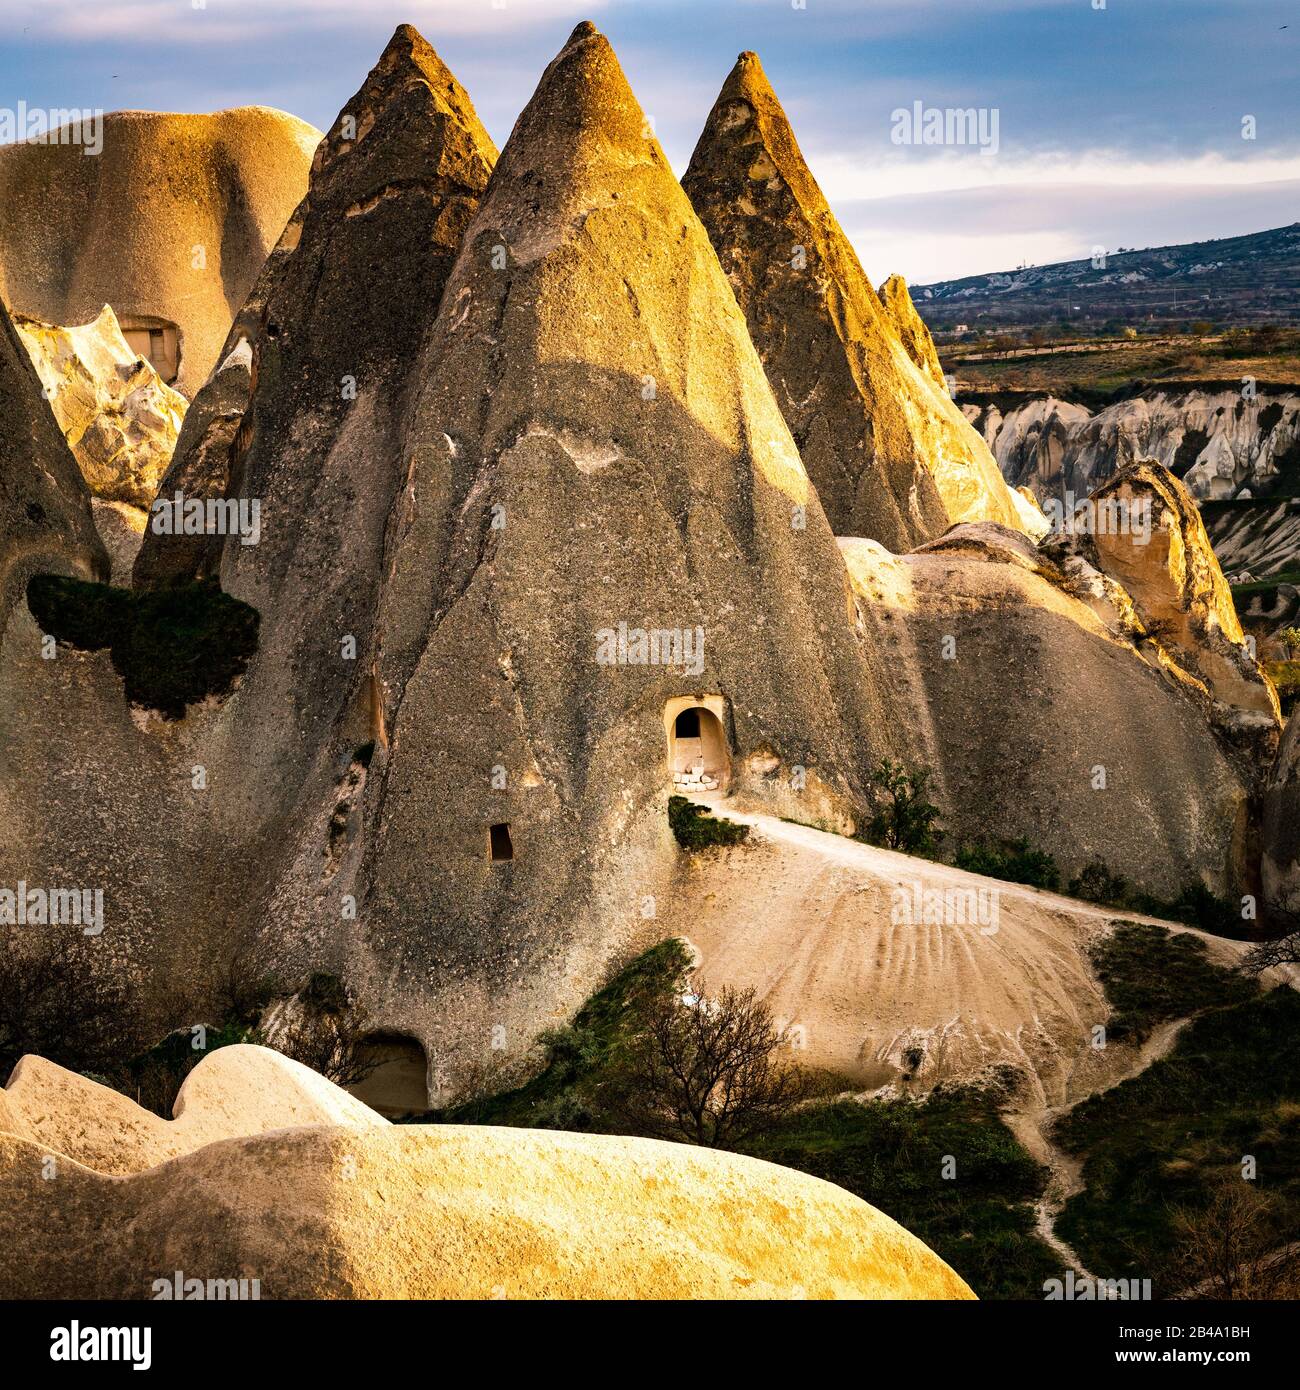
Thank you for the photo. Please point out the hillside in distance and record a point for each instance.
(1245, 280)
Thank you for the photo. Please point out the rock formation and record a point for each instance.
(119, 418)
(206, 453)
(1049, 718)
(350, 290)
(533, 534)
(589, 378)
(397, 176)
(910, 327)
(1281, 835)
(45, 519)
(234, 1092)
(891, 456)
(1254, 540)
(1145, 533)
(1220, 443)
(169, 223)
(299, 1191)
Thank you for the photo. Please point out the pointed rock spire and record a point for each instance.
(597, 458)
(303, 421)
(911, 329)
(892, 457)
(347, 294)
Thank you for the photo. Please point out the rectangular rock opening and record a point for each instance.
(499, 842)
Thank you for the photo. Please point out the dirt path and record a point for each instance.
(827, 954)
(1033, 1127)
(890, 864)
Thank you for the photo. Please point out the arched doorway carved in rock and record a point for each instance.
(699, 755)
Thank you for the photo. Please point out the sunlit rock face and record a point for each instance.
(1220, 442)
(169, 222)
(891, 456)
(45, 518)
(1148, 536)
(119, 418)
(275, 1183)
(911, 329)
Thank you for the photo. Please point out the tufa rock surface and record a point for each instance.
(904, 972)
(119, 418)
(910, 327)
(234, 1091)
(891, 456)
(303, 1190)
(478, 498)
(1147, 536)
(327, 464)
(1281, 834)
(594, 448)
(1219, 443)
(170, 223)
(348, 294)
(45, 519)
(1031, 682)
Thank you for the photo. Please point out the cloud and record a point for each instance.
(950, 234)
(844, 176)
(238, 21)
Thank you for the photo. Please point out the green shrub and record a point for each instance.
(1168, 1140)
(1195, 906)
(947, 1168)
(1198, 907)
(172, 647)
(564, 1094)
(904, 820)
(695, 828)
(1096, 884)
(1151, 974)
(1014, 861)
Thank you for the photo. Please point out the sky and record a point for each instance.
(1111, 123)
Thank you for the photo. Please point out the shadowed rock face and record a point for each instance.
(353, 287)
(1281, 834)
(345, 298)
(170, 223)
(45, 518)
(1033, 677)
(891, 456)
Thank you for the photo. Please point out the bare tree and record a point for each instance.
(711, 1071)
(1264, 955)
(63, 999)
(325, 1029)
(1231, 1249)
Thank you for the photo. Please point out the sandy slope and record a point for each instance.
(806, 918)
